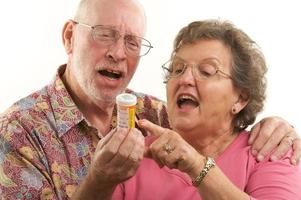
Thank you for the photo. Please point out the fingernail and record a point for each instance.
(273, 158)
(250, 141)
(294, 162)
(141, 122)
(260, 157)
(254, 152)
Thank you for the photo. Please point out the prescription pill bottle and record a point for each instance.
(126, 106)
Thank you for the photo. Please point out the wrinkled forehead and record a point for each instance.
(125, 15)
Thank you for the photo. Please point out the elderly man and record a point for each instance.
(61, 142)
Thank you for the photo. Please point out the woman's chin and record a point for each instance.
(182, 124)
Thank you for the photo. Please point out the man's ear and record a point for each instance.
(67, 36)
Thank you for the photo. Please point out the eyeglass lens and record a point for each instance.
(135, 45)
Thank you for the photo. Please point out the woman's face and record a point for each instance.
(198, 105)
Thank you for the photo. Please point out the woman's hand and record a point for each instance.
(274, 133)
(171, 150)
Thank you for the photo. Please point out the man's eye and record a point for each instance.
(104, 36)
(132, 42)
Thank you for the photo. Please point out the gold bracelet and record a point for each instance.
(209, 164)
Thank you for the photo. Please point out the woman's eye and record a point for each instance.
(204, 73)
(207, 70)
(178, 71)
(177, 68)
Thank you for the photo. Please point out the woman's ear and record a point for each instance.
(67, 36)
(241, 102)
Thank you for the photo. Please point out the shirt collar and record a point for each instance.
(65, 112)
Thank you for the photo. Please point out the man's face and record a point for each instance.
(104, 72)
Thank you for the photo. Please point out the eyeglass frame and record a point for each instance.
(168, 77)
(93, 28)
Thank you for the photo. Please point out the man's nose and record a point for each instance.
(117, 50)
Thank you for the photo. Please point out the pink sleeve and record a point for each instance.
(275, 180)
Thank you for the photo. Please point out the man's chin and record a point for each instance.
(109, 97)
(105, 94)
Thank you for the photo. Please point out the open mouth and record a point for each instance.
(111, 74)
(185, 100)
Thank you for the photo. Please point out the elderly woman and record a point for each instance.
(215, 88)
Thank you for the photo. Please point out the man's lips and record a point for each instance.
(112, 74)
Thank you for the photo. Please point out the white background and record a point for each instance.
(31, 47)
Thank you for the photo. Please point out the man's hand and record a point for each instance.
(118, 156)
(274, 133)
(115, 160)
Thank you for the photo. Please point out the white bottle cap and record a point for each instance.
(126, 99)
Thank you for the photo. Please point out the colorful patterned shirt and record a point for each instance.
(46, 145)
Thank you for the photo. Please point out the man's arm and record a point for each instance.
(275, 134)
(23, 173)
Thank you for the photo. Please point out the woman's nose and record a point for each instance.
(187, 77)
